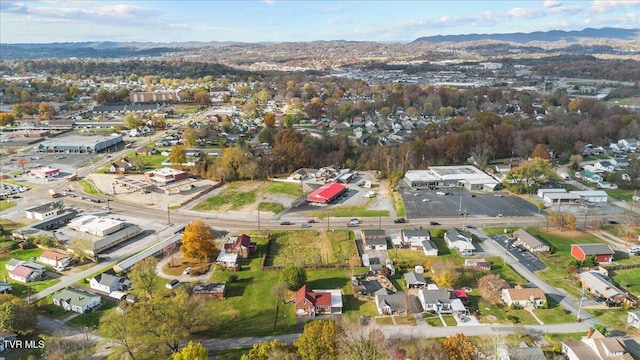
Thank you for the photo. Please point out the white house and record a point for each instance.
(76, 300)
(460, 241)
(391, 304)
(24, 271)
(633, 319)
(605, 166)
(630, 144)
(54, 259)
(108, 283)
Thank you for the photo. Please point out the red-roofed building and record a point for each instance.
(327, 193)
(462, 295)
(314, 302)
(241, 246)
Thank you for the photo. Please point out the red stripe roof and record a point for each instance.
(326, 192)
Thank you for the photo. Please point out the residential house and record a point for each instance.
(108, 283)
(521, 352)
(633, 319)
(602, 252)
(630, 144)
(419, 240)
(599, 285)
(12, 263)
(462, 295)
(26, 272)
(5, 340)
(54, 259)
(76, 300)
(121, 166)
(302, 174)
(229, 260)
(374, 239)
(5, 288)
(595, 346)
(605, 166)
(240, 245)
(210, 290)
(415, 280)
(524, 297)
(460, 241)
(313, 302)
(441, 301)
(391, 304)
(620, 161)
(478, 264)
(530, 242)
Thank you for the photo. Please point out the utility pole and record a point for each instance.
(327, 217)
(580, 306)
(258, 217)
(379, 219)
(168, 216)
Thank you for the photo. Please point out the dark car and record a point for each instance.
(613, 222)
(312, 221)
(286, 223)
(612, 303)
(469, 226)
(400, 220)
(434, 223)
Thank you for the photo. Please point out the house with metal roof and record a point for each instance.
(76, 300)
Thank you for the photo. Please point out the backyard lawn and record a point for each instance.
(628, 279)
(4, 205)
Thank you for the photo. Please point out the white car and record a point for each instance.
(186, 271)
(425, 200)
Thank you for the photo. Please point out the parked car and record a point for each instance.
(400, 220)
(425, 200)
(172, 284)
(186, 271)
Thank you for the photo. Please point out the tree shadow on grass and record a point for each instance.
(328, 283)
(237, 287)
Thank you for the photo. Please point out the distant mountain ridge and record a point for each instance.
(547, 36)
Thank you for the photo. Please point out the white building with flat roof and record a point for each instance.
(96, 225)
(467, 176)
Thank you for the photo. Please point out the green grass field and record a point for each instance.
(230, 198)
(398, 204)
(310, 247)
(270, 207)
(283, 188)
(628, 279)
(88, 187)
(4, 205)
(619, 194)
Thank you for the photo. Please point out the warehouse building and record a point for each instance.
(95, 225)
(327, 193)
(467, 176)
(79, 144)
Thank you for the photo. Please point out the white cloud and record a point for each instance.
(601, 6)
(550, 4)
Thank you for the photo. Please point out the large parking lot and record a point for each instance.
(428, 204)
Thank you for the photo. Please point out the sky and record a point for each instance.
(45, 21)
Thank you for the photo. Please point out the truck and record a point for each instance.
(53, 194)
(369, 194)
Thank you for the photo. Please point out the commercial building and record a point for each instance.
(45, 211)
(80, 144)
(327, 193)
(95, 225)
(165, 175)
(467, 176)
(45, 172)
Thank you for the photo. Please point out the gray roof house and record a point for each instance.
(76, 300)
(414, 280)
(530, 242)
(108, 283)
(599, 285)
(460, 241)
(391, 304)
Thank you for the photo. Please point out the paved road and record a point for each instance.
(69, 280)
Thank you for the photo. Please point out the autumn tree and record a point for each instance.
(193, 351)
(82, 248)
(202, 98)
(230, 163)
(319, 340)
(16, 315)
(123, 329)
(294, 276)
(198, 241)
(143, 275)
(190, 137)
(529, 173)
(362, 343)
(289, 120)
(491, 286)
(459, 347)
(6, 119)
(178, 155)
(46, 111)
(574, 162)
(22, 162)
(132, 121)
(564, 220)
(274, 350)
(269, 120)
(445, 273)
(540, 151)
